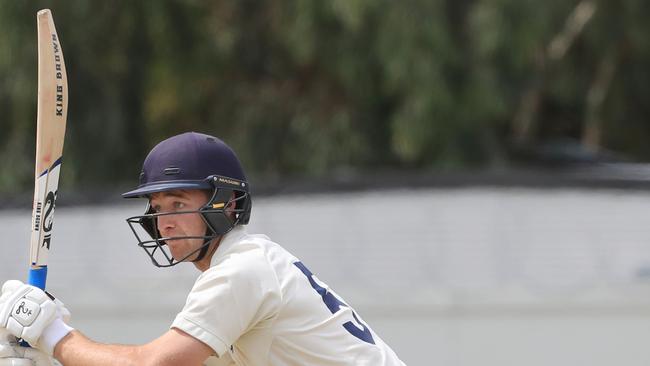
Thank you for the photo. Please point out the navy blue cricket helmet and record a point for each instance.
(192, 161)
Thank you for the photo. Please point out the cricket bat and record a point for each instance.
(50, 131)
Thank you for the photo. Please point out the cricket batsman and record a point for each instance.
(253, 303)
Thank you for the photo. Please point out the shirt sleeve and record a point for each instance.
(237, 294)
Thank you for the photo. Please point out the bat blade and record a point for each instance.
(50, 131)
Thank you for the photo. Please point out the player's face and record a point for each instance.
(182, 224)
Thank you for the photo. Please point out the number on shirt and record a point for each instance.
(334, 305)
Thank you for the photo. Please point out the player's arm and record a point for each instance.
(175, 347)
(29, 313)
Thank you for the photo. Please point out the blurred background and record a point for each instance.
(469, 174)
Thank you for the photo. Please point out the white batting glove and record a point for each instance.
(27, 312)
(12, 354)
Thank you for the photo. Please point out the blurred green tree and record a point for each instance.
(306, 88)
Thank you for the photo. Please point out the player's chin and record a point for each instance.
(177, 248)
(183, 251)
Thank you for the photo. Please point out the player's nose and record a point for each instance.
(166, 223)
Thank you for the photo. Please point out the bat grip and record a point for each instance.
(37, 277)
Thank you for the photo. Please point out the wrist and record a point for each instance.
(52, 335)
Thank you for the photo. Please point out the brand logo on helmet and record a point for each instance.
(229, 181)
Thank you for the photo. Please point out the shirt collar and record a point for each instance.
(228, 240)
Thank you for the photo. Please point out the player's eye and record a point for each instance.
(179, 205)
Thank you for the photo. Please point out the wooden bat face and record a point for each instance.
(51, 122)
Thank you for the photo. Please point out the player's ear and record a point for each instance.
(231, 207)
(232, 202)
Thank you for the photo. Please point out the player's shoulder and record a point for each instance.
(241, 253)
(242, 243)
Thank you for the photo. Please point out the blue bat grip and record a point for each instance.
(37, 277)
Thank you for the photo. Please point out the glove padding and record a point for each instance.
(13, 354)
(29, 313)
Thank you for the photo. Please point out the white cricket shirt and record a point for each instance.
(259, 305)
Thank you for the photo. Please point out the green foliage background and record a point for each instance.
(307, 88)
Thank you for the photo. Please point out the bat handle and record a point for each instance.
(37, 277)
